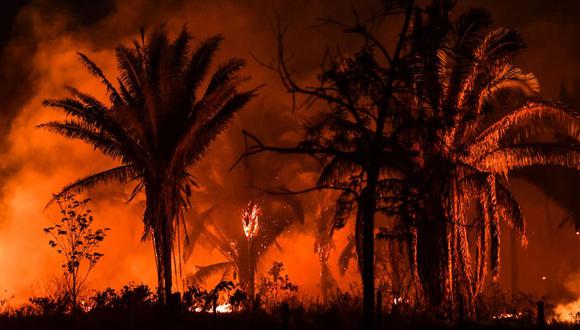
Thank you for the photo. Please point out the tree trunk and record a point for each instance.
(432, 257)
(514, 241)
(365, 233)
(157, 244)
(167, 259)
(161, 216)
(252, 280)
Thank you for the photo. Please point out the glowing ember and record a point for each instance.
(503, 316)
(86, 307)
(250, 219)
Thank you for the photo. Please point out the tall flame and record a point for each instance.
(250, 219)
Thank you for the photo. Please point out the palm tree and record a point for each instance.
(227, 198)
(324, 244)
(475, 117)
(259, 225)
(158, 123)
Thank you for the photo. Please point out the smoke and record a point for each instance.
(38, 58)
(37, 164)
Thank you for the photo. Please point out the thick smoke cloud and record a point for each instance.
(38, 49)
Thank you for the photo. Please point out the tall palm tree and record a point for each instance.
(158, 123)
(474, 118)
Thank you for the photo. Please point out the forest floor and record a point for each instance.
(128, 320)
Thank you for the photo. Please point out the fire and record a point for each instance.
(250, 219)
(568, 313)
(222, 308)
(503, 316)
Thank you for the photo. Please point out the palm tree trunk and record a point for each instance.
(514, 260)
(161, 216)
(157, 244)
(167, 259)
(432, 258)
(252, 280)
(366, 244)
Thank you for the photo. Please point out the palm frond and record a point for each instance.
(345, 255)
(344, 206)
(77, 130)
(505, 159)
(97, 72)
(180, 48)
(203, 273)
(130, 73)
(224, 73)
(195, 143)
(510, 211)
(199, 63)
(117, 174)
(499, 44)
(542, 113)
(335, 171)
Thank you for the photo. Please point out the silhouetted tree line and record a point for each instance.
(423, 132)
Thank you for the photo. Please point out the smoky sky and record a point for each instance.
(550, 28)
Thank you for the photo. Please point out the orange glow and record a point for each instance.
(37, 163)
(568, 313)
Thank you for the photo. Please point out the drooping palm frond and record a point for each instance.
(120, 174)
(347, 253)
(505, 159)
(485, 120)
(203, 273)
(534, 113)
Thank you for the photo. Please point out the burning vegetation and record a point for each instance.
(397, 155)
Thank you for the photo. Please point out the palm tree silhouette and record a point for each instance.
(324, 243)
(242, 250)
(475, 117)
(158, 124)
(226, 196)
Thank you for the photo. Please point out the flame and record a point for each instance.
(250, 219)
(222, 308)
(568, 313)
